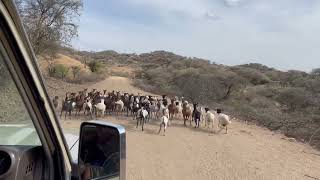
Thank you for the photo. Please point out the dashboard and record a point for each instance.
(21, 162)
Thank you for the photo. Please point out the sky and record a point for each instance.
(283, 34)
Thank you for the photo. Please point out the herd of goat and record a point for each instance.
(141, 108)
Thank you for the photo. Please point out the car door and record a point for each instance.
(27, 90)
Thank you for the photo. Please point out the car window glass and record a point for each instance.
(16, 126)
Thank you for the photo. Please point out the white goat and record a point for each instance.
(162, 107)
(87, 106)
(224, 120)
(179, 107)
(153, 109)
(73, 105)
(141, 116)
(164, 120)
(203, 115)
(119, 106)
(209, 118)
(101, 107)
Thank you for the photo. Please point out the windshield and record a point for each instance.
(16, 127)
(206, 89)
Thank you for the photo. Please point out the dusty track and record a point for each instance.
(118, 84)
(247, 152)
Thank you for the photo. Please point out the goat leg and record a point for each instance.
(137, 123)
(160, 128)
(142, 123)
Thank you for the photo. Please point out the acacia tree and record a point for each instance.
(206, 87)
(294, 98)
(49, 23)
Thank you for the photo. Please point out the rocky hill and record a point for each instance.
(282, 101)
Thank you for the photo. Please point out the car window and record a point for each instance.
(16, 127)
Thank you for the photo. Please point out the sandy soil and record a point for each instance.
(246, 152)
(65, 60)
(116, 83)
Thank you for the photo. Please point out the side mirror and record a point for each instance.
(102, 151)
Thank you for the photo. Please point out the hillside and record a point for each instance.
(251, 152)
(61, 59)
(287, 102)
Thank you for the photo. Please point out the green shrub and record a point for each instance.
(95, 66)
(58, 71)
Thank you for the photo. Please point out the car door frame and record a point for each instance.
(21, 62)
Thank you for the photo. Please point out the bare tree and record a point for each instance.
(49, 23)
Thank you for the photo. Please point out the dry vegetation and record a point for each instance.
(282, 101)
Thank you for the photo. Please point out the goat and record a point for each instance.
(119, 106)
(67, 105)
(87, 106)
(92, 93)
(127, 100)
(153, 109)
(109, 104)
(141, 116)
(224, 120)
(161, 107)
(145, 103)
(164, 120)
(197, 117)
(179, 108)
(186, 112)
(173, 109)
(135, 108)
(80, 100)
(209, 118)
(164, 100)
(101, 107)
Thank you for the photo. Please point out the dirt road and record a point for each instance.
(118, 84)
(246, 152)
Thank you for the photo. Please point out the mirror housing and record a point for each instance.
(102, 151)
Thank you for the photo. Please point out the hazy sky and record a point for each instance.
(284, 34)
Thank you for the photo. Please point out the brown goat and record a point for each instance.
(186, 112)
(173, 109)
